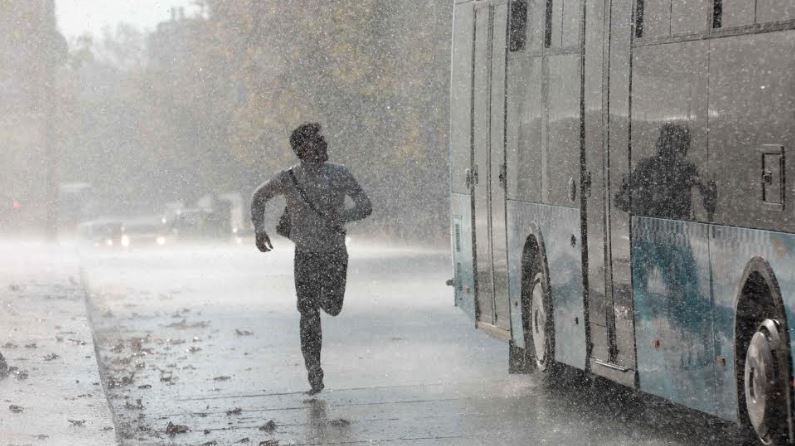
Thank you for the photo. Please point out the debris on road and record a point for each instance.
(16, 409)
(270, 426)
(222, 378)
(173, 429)
(18, 373)
(235, 411)
(340, 422)
(137, 406)
(3, 367)
(269, 443)
(240, 332)
(244, 440)
(51, 357)
(184, 325)
(77, 423)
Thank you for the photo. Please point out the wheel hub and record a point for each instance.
(764, 389)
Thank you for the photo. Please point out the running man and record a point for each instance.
(315, 217)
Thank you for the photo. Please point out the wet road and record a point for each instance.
(206, 338)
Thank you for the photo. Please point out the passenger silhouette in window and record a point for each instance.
(666, 277)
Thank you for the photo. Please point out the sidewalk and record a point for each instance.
(52, 394)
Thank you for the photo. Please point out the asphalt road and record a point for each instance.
(206, 338)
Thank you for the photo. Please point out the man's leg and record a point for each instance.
(335, 272)
(308, 292)
(311, 342)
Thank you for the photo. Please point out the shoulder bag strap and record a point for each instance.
(312, 206)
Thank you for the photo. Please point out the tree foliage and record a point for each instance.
(216, 95)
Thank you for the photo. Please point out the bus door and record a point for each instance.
(488, 167)
(606, 156)
(461, 156)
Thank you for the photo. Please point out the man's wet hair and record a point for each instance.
(303, 133)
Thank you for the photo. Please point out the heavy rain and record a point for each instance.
(419, 222)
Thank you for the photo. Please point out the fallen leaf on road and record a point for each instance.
(240, 332)
(184, 325)
(235, 411)
(340, 422)
(270, 426)
(137, 406)
(78, 423)
(15, 409)
(173, 429)
(18, 373)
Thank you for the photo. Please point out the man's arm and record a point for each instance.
(262, 195)
(362, 207)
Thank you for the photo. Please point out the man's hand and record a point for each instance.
(264, 242)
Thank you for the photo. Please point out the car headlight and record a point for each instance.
(160, 240)
(125, 241)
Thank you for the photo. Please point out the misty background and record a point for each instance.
(124, 120)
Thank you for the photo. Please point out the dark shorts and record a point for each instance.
(320, 280)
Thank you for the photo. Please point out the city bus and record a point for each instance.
(618, 194)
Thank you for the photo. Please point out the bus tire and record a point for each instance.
(762, 356)
(765, 379)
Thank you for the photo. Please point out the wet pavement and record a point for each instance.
(50, 388)
(199, 346)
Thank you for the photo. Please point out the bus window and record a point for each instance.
(732, 13)
(687, 16)
(774, 10)
(572, 17)
(518, 25)
(653, 18)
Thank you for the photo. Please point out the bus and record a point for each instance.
(618, 194)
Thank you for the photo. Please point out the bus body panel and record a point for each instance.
(673, 311)
(461, 237)
(752, 128)
(558, 228)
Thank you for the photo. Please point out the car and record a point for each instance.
(102, 232)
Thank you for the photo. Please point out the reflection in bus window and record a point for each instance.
(660, 186)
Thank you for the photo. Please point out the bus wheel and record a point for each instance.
(541, 323)
(765, 384)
